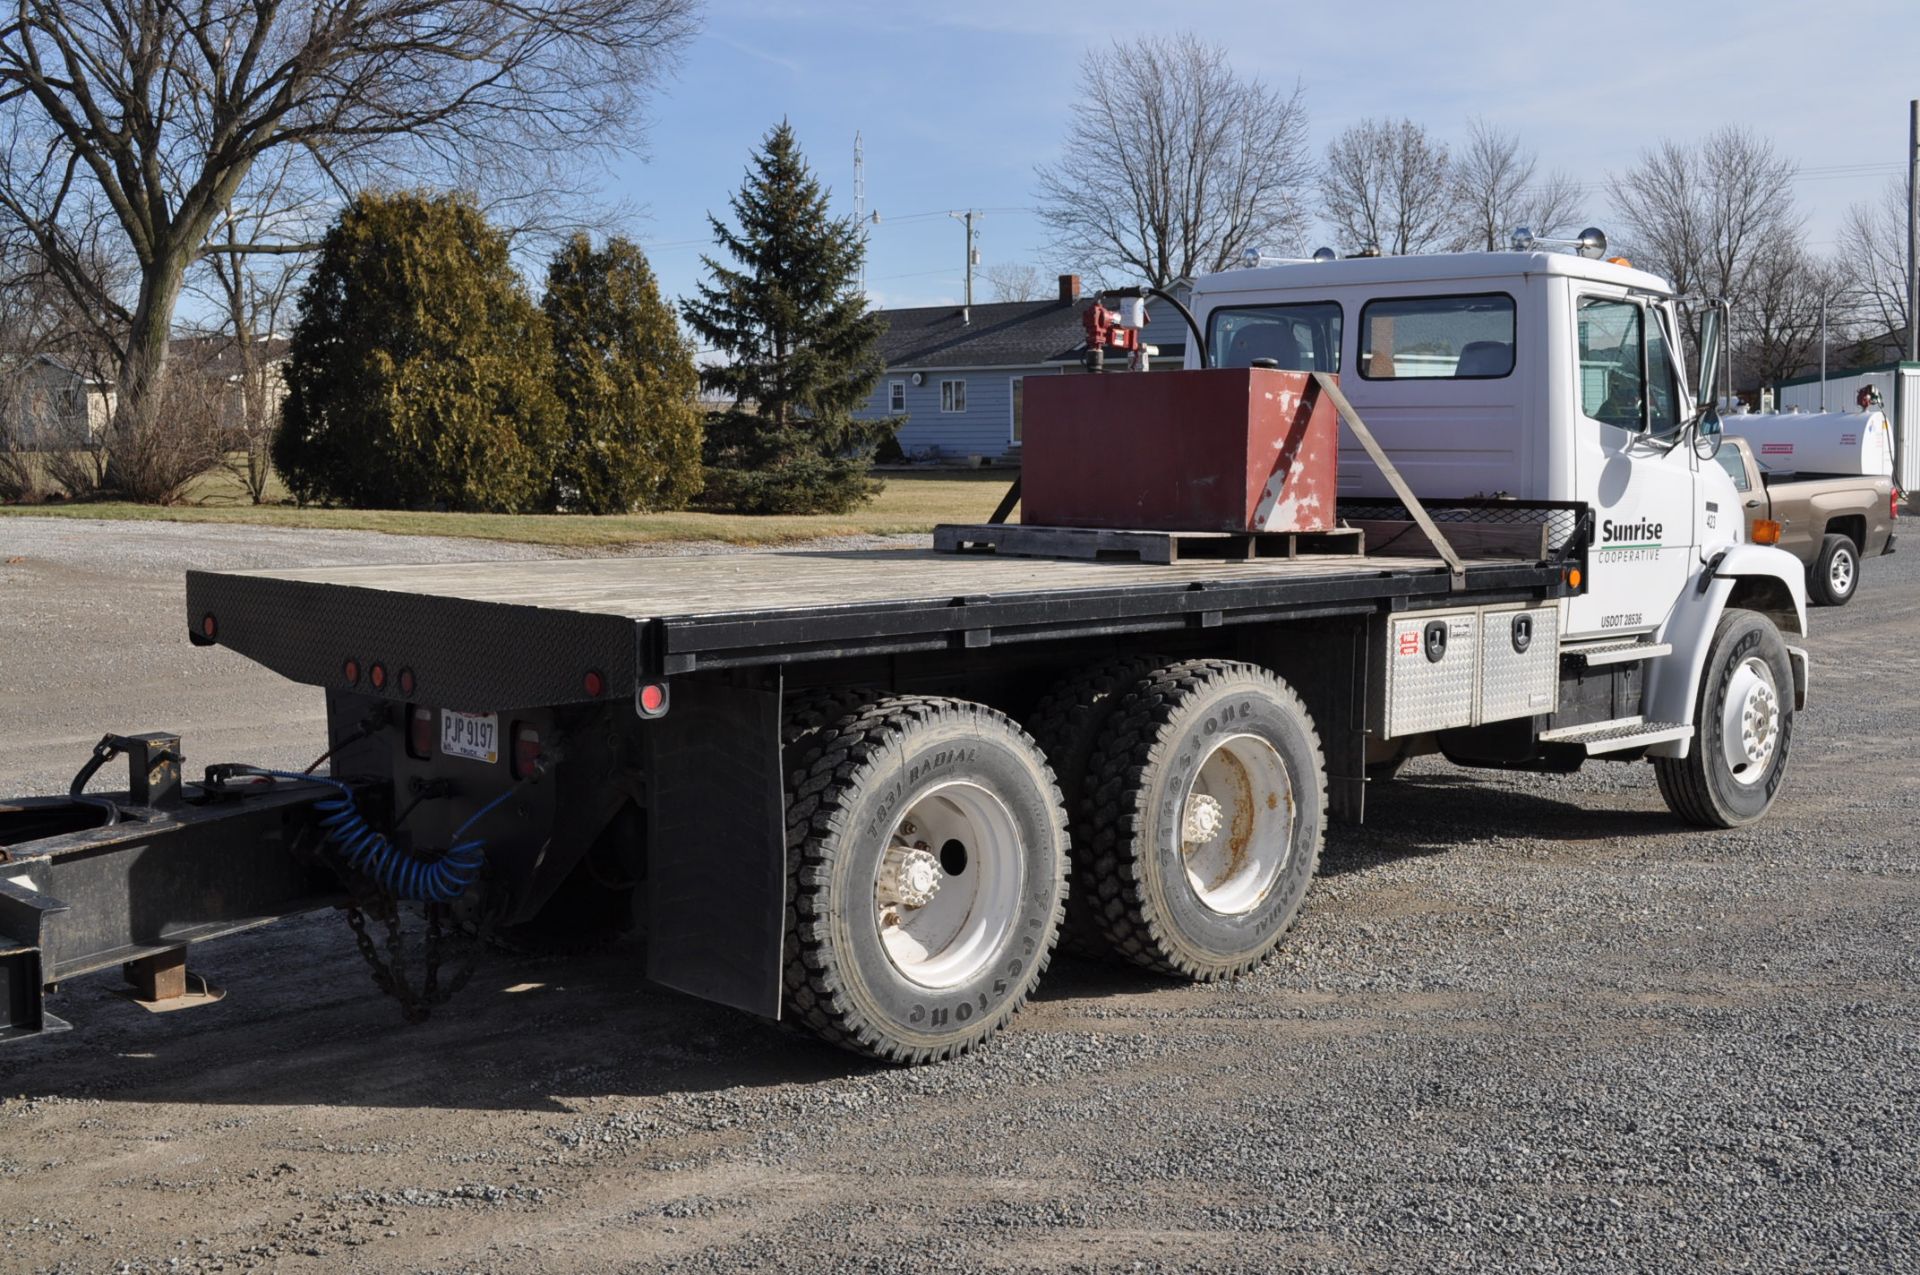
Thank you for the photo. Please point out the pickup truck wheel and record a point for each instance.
(1835, 573)
(927, 853)
(1743, 728)
(1067, 723)
(1208, 797)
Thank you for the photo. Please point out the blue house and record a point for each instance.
(957, 376)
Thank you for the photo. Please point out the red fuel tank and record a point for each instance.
(1233, 449)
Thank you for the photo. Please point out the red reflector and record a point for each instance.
(378, 676)
(595, 684)
(406, 681)
(526, 750)
(653, 698)
(208, 627)
(420, 732)
(351, 671)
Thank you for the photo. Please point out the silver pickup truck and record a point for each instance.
(1828, 522)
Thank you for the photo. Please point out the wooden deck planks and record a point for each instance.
(654, 588)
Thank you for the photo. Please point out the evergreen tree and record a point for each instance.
(799, 346)
(626, 380)
(420, 373)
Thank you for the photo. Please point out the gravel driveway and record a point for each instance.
(1525, 1023)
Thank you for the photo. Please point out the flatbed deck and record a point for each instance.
(518, 634)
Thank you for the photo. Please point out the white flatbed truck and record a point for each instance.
(862, 791)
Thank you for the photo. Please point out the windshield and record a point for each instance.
(1303, 337)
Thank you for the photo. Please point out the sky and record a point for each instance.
(958, 102)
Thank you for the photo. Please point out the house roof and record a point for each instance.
(1003, 334)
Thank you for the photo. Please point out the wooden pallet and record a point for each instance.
(1157, 547)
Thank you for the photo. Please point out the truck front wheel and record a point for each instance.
(1835, 574)
(1207, 797)
(927, 852)
(1743, 728)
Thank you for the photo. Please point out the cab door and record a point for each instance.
(1641, 486)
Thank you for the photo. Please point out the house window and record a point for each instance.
(953, 396)
(896, 396)
(1019, 383)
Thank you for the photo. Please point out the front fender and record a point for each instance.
(1757, 577)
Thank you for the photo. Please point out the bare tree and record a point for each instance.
(148, 118)
(1386, 185)
(1174, 165)
(1703, 215)
(254, 293)
(1496, 190)
(1011, 282)
(1873, 239)
(1778, 327)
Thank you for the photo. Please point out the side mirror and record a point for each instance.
(1706, 393)
(1707, 438)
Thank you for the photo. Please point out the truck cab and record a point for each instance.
(1532, 375)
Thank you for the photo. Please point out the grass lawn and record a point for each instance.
(910, 503)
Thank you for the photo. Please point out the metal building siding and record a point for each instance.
(984, 429)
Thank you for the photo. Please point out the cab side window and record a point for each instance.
(1613, 370)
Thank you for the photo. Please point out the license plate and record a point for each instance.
(475, 735)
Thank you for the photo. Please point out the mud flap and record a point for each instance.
(716, 836)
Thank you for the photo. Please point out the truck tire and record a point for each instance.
(1743, 728)
(1067, 723)
(1834, 577)
(1208, 797)
(927, 853)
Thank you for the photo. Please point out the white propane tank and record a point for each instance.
(1854, 444)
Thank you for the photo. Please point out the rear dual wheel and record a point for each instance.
(1205, 802)
(926, 846)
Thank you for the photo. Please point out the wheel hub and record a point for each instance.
(1236, 824)
(941, 924)
(1204, 819)
(910, 875)
(1750, 724)
(1840, 572)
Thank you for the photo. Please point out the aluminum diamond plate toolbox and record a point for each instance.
(1519, 663)
(1429, 669)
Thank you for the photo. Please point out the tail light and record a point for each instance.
(1893, 506)
(527, 752)
(419, 732)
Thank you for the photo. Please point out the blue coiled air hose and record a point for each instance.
(400, 874)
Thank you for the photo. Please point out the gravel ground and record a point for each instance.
(1524, 1024)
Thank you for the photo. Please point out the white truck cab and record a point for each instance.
(1537, 375)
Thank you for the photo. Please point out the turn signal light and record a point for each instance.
(1574, 577)
(1766, 531)
(419, 732)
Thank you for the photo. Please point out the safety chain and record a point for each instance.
(390, 972)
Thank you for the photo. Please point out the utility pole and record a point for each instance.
(1823, 353)
(973, 259)
(1903, 411)
(860, 203)
(1913, 231)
